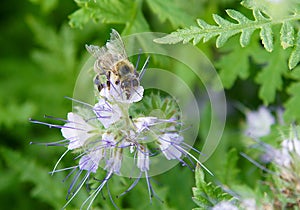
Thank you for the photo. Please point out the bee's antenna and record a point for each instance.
(144, 68)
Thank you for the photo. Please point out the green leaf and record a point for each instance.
(287, 35)
(206, 195)
(229, 173)
(292, 111)
(295, 55)
(110, 11)
(28, 171)
(267, 37)
(270, 77)
(14, 113)
(46, 5)
(235, 64)
(170, 10)
(80, 17)
(225, 29)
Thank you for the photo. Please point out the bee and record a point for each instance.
(112, 61)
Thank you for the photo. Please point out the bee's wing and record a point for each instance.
(108, 55)
(115, 46)
(96, 51)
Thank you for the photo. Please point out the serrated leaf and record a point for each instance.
(292, 111)
(221, 21)
(222, 39)
(230, 173)
(121, 12)
(270, 77)
(79, 18)
(295, 55)
(245, 37)
(236, 15)
(169, 10)
(234, 64)
(225, 29)
(207, 195)
(267, 37)
(287, 35)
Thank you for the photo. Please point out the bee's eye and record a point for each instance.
(124, 70)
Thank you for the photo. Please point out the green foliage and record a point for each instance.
(46, 5)
(226, 29)
(43, 186)
(171, 11)
(121, 12)
(229, 174)
(206, 195)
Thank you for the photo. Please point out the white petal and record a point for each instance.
(282, 157)
(77, 130)
(291, 145)
(225, 205)
(115, 93)
(259, 122)
(106, 113)
(169, 145)
(143, 160)
(90, 162)
(143, 123)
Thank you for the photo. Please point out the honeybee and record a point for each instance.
(112, 61)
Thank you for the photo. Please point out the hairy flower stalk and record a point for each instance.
(103, 135)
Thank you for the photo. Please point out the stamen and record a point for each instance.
(61, 157)
(75, 193)
(55, 118)
(80, 102)
(144, 68)
(110, 197)
(150, 189)
(96, 192)
(75, 179)
(63, 169)
(203, 166)
(258, 164)
(132, 185)
(57, 143)
(138, 60)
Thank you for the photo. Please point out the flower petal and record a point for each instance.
(77, 130)
(169, 143)
(106, 113)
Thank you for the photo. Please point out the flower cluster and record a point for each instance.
(282, 160)
(106, 134)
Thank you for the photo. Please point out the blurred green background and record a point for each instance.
(41, 56)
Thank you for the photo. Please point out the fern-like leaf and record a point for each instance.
(206, 195)
(295, 55)
(225, 29)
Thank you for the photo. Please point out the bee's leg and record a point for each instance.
(144, 68)
(98, 83)
(127, 95)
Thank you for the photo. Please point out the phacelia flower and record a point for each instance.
(259, 122)
(104, 133)
(224, 205)
(284, 174)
